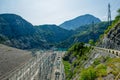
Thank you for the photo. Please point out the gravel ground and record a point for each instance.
(10, 58)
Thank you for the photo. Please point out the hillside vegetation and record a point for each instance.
(85, 63)
(53, 33)
(84, 34)
(74, 58)
(80, 64)
(80, 21)
(17, 32)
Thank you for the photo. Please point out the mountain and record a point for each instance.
(54, 33)
(79, 21)
(85, 33)
(14, 26)
(17, 32)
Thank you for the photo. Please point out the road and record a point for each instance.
(58, 69)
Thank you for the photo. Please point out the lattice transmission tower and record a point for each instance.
(109, 14)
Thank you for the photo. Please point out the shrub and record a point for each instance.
(101, 70)
(96, 62)
(66, 67)
(88, 74)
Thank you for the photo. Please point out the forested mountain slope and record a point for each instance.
(17, 32)
(54, 33)
(80, 21)
(85, 33)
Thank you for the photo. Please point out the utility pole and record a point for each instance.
(109, 14)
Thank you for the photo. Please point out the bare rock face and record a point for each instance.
(112, 39)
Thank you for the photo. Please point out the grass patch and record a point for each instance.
(66, 67)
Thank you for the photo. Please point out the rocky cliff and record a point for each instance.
(112, 38)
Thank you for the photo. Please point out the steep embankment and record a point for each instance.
(74, 59)
(87, 63)
(111, 37)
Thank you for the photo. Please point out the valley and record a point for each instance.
(23, 35)
(65, 43)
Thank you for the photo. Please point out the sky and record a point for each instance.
(40, 12)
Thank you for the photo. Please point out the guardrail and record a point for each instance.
(112, 51)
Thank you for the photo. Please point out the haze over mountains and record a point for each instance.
(19, 33)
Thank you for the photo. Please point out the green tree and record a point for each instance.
(91, 42)
(88, 74)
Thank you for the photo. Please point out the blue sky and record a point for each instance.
(40, 12)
